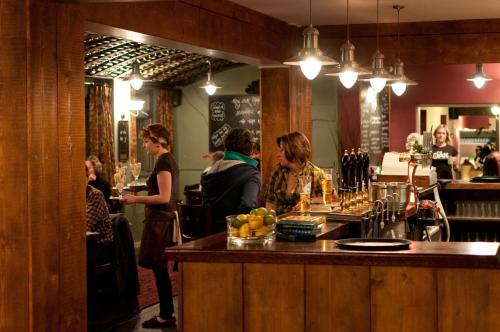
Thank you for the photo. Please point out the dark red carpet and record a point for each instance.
(148, 295)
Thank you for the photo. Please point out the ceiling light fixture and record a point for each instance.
(135, 78)
(209, 86)
(479, 78)
(310, 58)
(379, 76)
(400, 81)
(349, 69)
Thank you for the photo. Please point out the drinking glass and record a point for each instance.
(327, 185)
(305, 193)
(119, 187)
(136, 171)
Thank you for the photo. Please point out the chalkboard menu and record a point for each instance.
(374, 110)
(227, 112)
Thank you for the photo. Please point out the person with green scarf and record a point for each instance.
(232, 185)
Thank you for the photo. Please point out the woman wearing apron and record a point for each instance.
(159, 219)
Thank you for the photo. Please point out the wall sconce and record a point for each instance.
(310, 58)
(209, 86)
(495, 110)
(479, 78)
(349, 68)
(136, 79)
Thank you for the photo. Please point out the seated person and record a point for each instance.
(491, 166)
(98, 220)
(95, 178)
(214, 157)
(293, 161)
(232, 185)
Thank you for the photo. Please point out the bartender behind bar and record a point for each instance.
(444, 155)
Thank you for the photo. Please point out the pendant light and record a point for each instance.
(479, 78)
(136, 79)
(379, 76)
(349, 69)
(209, 86)
(400, 81)
(310, 58)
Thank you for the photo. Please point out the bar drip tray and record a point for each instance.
(365, 244)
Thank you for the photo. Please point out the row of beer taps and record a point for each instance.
(384, 211)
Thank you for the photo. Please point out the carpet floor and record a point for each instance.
(148, 295)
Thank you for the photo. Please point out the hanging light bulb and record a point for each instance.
(135, 78)
(310, 58)
(479, 78)
(349, 69)
(209, 86)
(400, 81)
(379, 76)
(495, 110)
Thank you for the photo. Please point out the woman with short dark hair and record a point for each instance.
(232, 185)
(491, 166)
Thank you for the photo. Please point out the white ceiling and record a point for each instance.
(333, 12)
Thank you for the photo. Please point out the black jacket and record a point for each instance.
(230, 187)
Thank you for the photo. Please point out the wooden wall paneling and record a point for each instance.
(212, 297)
(403, 299)
(71, 189)
(273, 297)
(274, 115)
(468, 300)
(337, 298)
(202, 24)
(349, 118)
(14, 158)
(300, 102)
(43, 167)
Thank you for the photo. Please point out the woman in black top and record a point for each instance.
(443, 153)
(159, 219)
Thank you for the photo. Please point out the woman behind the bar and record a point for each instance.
(159, 218)
(444, 155)
(293, 161)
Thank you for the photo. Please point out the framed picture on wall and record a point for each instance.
(123, 141)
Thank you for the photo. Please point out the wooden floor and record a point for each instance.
(134, 324)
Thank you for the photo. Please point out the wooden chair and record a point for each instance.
(195, 221)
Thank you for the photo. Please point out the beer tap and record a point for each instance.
(359, 169)
(345, 170)
(366, 165)
(352, 168)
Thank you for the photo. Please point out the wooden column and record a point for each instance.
(42, 182)
(285, 106)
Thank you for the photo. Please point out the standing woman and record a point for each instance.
(444, 155)
(159, 219)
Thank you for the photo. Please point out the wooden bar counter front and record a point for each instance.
(315, 286)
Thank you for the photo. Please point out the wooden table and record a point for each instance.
(315, 286)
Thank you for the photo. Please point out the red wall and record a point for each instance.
(438, 85)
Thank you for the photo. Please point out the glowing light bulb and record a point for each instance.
(210, 89)
(310, 68)
(479, 82)
(377, 83)
(136, 83)
(398, 88)
(348, 78)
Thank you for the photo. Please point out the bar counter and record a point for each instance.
(315, 286)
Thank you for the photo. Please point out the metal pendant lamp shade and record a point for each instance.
(136, 79)
(379, 76)
(479, 78)
(310, 58)
(400, 81)
(349, 69)
(209, 86)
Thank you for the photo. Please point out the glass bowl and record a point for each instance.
(244, 228)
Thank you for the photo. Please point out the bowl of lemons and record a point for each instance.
(256, 227)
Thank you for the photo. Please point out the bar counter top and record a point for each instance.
(215, 248)
(467, 185)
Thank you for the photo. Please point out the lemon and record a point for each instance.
(269, 219)
(271, 212)
(234, 232)
(242, 217)
(262, 231)
(244, 230)
(236, 223)
(255, 222)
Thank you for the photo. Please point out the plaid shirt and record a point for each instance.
(276, 191)
(98, 219)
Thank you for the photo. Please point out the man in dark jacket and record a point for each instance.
(232, 185)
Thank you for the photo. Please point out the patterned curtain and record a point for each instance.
(164, 113)
(101, 128)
